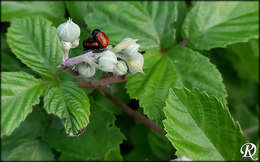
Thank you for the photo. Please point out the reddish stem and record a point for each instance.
(93, 84)
(132, 113)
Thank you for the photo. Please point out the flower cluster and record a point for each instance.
(122, 59)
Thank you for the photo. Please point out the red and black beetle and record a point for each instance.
(99, 40)
(90, 44)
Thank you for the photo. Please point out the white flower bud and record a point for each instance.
(120, 68)
(128, 49)
(68, 31)
(124, 44)
(86, 70)
(132, 49)
(107, 61)
(135, 63)
(75, 43)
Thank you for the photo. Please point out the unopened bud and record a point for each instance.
(135, 63)
(107, 61)
(86, 70)
(132, 49)
(68, 31)
(124, 44)
(120, 68)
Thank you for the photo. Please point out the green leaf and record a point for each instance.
(248, 54)
(125, 123)
(151, 87)
(241, 89)
(195, 70)
(8, 60)
(4, 45)
(70, 103)
(54, 11)
(152, 23)
(77, 11)
(100, 136)
(113, 155)
(200, 127)
(67, 157)
(157, 147)
(35, 42)
(30, 150)
(20, 92)
(243, 94)
(118, 91)
(218, 24)
(170, 70)
(160, 146)
(248, 121)
(138, 139)
(31, 128)
(108, 105)
(182, 11)
(10, 63)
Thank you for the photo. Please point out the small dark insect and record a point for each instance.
(98, 41)
(90, 44)
(101, 38)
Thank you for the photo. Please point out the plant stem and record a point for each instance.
(76, 60)
(66, 55)
(102, 82)
(131, 112)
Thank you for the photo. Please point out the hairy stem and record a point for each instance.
(132, 113)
